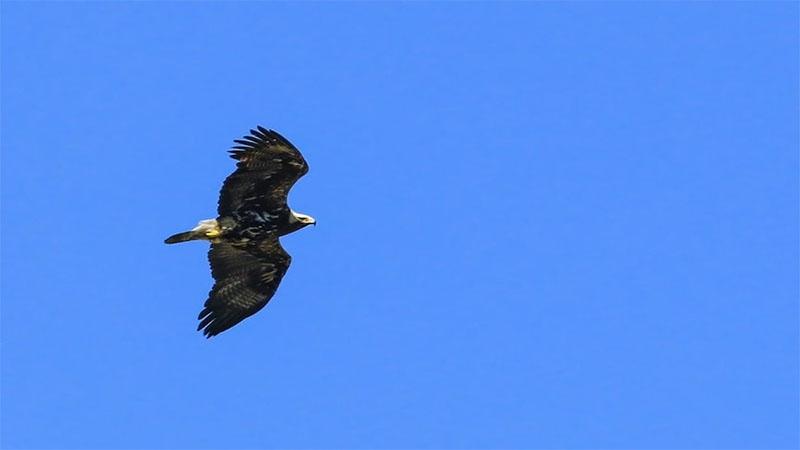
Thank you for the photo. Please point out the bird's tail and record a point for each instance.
(206, 229)
(183, 237)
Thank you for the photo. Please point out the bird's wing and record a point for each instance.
(246, 277)
(268, 165)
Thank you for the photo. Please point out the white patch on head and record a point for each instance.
(303, 218)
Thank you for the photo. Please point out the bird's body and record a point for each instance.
(246, 257)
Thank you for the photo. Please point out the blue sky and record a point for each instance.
(541, 225)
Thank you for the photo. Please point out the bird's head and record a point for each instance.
(304, 219)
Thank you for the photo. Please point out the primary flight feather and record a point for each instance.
(246, 257)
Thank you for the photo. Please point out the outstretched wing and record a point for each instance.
(268, 165)
(246, 277)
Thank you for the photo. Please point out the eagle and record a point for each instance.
(246, 257)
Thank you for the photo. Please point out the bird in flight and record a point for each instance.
(246, 257)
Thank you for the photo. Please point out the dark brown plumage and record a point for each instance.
(246, 279)
(268, 166)
(246, 257)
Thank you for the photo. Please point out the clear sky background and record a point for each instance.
(541, 225)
